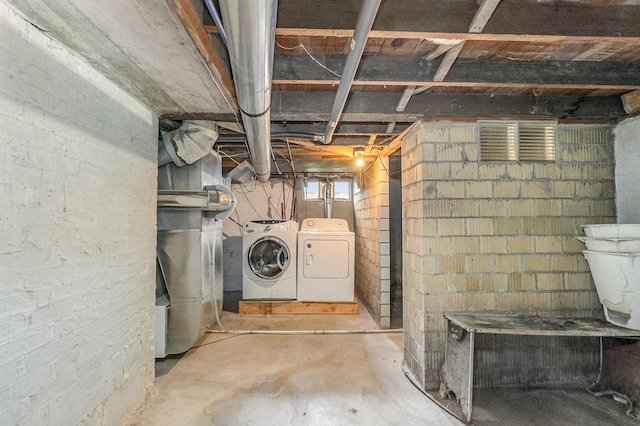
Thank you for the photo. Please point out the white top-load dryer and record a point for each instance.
(269, 259)
(326, 261)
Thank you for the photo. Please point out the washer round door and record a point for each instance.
(269, 257)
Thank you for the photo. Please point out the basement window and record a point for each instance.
(517, 140)
(315, 189)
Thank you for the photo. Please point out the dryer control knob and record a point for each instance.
(310, 223)
(308, 245)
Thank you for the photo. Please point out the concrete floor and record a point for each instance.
(351, 379)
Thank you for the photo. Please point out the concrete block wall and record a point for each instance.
(497, 236)
(627, 171)
(373, 258)
(77, 237)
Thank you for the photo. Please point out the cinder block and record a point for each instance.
(464, 208)
(451, 264)
(466, 283)
(448, 152)
(521, 207)
(576, 207)
(535, 226)
(489, 171)
(438, 208)
(576, 171)
(479, 189)
(549, 207)
(550, 282)
(438, 283)
(564, 226)
(479, 264)
(451, 227)
(481, 301)
(471, 152)
(495, 283)
(536, 189)
(536, 263)
(465, 245)
(520, 171)
(464, 171)
(508, 263)
(522, 282)
(479, 226)
(462, 134)
(552, 244)
(493, 208)
(505, 226)
(506, 189)
(547, 171)
(453, 302)
(495, 245)
(565, 262)
(451, 189)
(435, 134)
(510, 301)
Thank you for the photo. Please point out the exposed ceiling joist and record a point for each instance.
(554, 18)
(369, 107)
(200, 37)
(415, 71)
(380, 107)
(486, 9)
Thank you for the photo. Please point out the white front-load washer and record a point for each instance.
(269, 259)
(326, 260)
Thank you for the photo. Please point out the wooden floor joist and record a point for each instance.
(296, 307)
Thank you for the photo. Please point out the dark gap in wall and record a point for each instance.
(395, 238)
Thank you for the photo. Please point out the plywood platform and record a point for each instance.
(296, 307)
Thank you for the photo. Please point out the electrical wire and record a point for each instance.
(217, 341)
(269, 199)
(310, 55)
(382, 163)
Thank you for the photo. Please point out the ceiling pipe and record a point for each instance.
(368, 12)
(251, 30)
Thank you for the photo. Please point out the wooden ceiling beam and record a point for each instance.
(565, 18)
(380, 107)
(415, 71)
(454, 37)
(200, 37)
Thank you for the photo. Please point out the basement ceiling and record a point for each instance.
(424, 60)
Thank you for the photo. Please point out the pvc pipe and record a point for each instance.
(368, 13)
(307, 332)
(216, 20)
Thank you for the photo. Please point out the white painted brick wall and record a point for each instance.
(77, 237)
(627, 151)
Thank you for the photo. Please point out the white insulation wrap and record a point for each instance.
(189, 143)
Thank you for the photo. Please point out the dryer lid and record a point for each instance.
(269, 257)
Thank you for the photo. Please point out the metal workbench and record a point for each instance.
(457, 370)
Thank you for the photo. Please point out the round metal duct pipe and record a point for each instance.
(251, 29)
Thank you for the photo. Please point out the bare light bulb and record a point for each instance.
(359, 162)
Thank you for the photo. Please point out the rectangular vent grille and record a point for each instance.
(517, 141)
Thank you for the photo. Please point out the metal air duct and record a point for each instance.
(251, 29)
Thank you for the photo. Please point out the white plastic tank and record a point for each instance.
(613, 254)
(617, 280)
